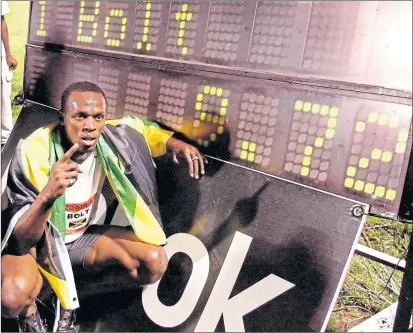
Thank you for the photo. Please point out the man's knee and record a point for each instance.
(20, 284)
(157, 263)
(17, 292)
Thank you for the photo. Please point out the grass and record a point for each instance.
(365, 291)
(371, 287)
(17, 23)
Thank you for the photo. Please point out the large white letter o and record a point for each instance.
(172, 316)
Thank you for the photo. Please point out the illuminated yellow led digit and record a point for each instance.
(359, 185)
(307, 107)
(364, 163)
(42, 31)
(308, 150)
(83, 18)
(323, 110)
(298, 105)
(248, 151)
(349, 182)
(332, 123)
(319, 142)
(351, 171)
(387, 156)
(402, 136)
(182, 17)
(115, 14)
(144, 42)
(218, 119)
(380, 191)
(377, 154)
(307, 161)
(305, 170)
(390, 194)
(401, 147)
(360, 126)
(369, 188)
(315, 108)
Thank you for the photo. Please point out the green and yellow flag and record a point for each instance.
(125, 151)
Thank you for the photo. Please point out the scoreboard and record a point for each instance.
(314, 92)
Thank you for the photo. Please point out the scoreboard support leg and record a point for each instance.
(405, 307)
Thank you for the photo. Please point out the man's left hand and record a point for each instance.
(11, 62)
(195, 159)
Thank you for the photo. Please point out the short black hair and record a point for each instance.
(81, 86)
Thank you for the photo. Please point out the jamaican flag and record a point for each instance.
(125, 150)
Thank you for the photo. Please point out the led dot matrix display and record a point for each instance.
(137, 94)
(315, 39)
(311, 139)
(273, 32)
(116, 20)
(241, 36)
(147, 24)
(87, 26)
(109, 81)
(377, 153)
(211, 107)
(182, 28)
(330, 36)
(224, 28)
(256, 128)
(64, 18)
(82, 72)
(171, 103)
(37, 65)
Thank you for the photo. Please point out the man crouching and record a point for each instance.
(53, 189)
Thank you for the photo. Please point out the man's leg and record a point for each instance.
(129, 264)
(21, 283)
(118, 246)
(6, 110)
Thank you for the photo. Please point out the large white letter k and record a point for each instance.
(246, 301)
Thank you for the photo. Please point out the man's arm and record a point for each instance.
(11, 62)
(30, 227)
(160, 140)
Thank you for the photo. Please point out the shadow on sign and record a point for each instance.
(294, 260)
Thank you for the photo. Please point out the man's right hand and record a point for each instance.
(63, 175)
(11, 62)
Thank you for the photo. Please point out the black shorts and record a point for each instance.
(81, 246)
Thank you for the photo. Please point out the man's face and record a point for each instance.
(84, 119)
